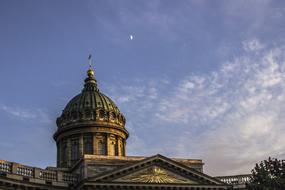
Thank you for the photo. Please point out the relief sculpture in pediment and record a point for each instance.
(154, 175)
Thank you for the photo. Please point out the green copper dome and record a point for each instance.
(91, 105)
(91, 100)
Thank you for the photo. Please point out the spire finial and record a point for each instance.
(90, 61)
(90, 71)
(90, 81)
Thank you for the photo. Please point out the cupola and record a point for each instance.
(90, 123)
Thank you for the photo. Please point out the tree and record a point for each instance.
(268, 175)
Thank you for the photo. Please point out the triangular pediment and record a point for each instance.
(156, 170)
(154, 174)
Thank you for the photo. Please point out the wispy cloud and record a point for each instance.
(26, 114)
(32, 130)
(231, 117)
(252, 45)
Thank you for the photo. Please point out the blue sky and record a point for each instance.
(199, 79)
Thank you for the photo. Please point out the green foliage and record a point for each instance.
(268, 175)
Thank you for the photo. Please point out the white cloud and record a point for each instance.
(231, 118)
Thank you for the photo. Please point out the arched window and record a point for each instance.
(74, 150)
(88, 144)
(87, 113)
(102, 147)
(116, 149)
(101, 114)
(112, 116)
(113, 145)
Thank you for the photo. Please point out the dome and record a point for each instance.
(91, 105)
(91, 124)
(90, 100)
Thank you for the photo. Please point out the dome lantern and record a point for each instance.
(90, 81)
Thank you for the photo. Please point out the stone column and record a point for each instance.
(108, 144)
(58, 156)
(124, 146)
(120, 146)
(81, 144)
(68, 144)
(95, 144)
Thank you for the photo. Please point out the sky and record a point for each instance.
(194, 79)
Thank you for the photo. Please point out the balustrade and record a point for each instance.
(25, 171)
(31, 172)
(5, 167)
(235, 180)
